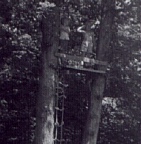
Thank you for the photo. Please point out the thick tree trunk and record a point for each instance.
(98, 84)
(45, 101)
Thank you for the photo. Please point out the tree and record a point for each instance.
(20, 69)
(47, 86)
(18, 86)
(46, 100)
(98, 84)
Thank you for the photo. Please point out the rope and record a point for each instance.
(59, 109)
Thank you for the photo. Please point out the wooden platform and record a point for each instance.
(80, 63)
(85, 69)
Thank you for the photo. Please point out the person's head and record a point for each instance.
(65, 21)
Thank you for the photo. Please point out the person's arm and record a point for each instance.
(94, 42)
(66, 29)
(93, 26)
(80, 29)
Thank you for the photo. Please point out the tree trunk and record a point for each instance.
(45, 101)
(97, 87)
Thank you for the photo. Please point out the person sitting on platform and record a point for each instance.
(88, 46)
(64, 35)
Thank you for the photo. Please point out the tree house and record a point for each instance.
(80, 63)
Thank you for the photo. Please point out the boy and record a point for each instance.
(64, 34)
(88, 46)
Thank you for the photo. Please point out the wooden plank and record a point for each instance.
(84, 69)
(80, 58)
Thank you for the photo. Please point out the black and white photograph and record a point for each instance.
(70, 71)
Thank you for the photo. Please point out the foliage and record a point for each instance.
(19, 71)
(20, 66)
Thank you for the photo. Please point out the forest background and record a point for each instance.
(20, 49)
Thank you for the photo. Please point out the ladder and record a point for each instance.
(59, 111)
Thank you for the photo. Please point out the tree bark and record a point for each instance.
(97, 87)
(46, 98)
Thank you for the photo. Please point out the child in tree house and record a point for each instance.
(64, 34)
(88, 46)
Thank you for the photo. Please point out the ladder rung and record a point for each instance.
(59, 140)
(57, 108)
(59, 125)
(62, 96)
(65, 85)
(59, 88)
